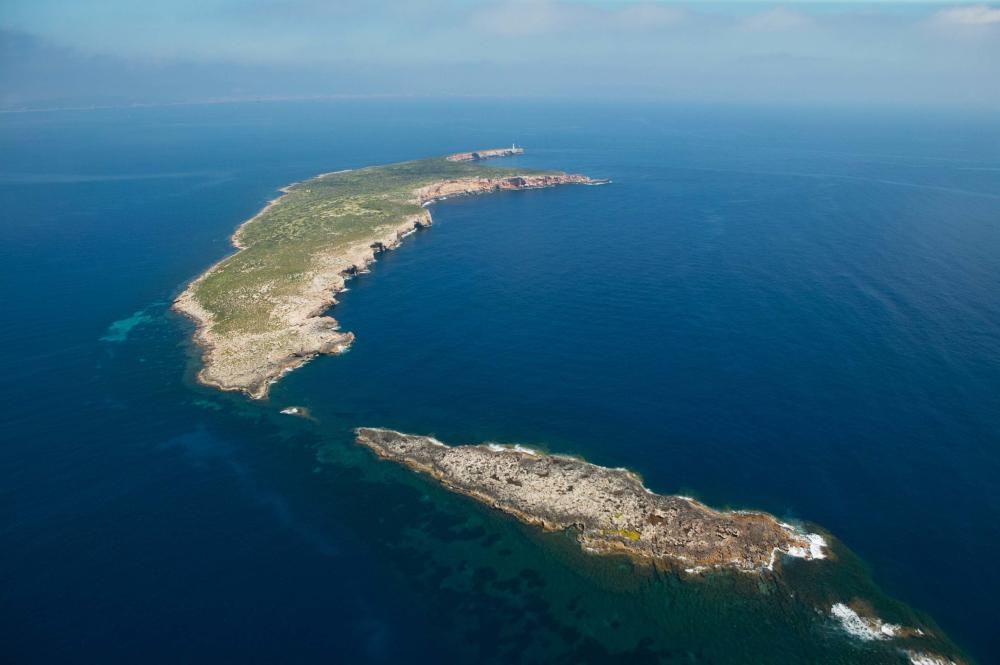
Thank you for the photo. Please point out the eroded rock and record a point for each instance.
(609, 509)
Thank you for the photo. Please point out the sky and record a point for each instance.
(106, 52)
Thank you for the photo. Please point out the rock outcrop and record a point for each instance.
(608, 509)
(469, 186)
(484, 154)
(251, 362)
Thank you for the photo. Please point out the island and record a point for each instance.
(608, 510)
(261, 312)
(299, 411)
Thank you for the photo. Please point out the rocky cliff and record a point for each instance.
(484, 154)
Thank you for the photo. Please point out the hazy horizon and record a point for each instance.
(110, 52)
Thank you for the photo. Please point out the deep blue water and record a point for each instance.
(794, 310)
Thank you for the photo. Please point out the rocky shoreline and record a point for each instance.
(608, 510)
(484, 154)
(227, 361)
(470, 186)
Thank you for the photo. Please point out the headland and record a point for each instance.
(260, 312)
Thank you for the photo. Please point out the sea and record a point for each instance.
(790, 309)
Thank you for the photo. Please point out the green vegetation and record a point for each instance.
(286, 243)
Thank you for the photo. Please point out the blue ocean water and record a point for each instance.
(786, 309)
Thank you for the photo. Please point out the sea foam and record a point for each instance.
(921, 658)
(863, 628)
(498, 448)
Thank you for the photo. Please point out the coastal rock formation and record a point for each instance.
(468, 186)
(865, 626)
(858, 620)
(921, 658)
(484, 154)
(252, 359)
(299, 411)
(609, 509)
(260, 312)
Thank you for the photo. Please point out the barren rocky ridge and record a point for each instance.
(609, 510)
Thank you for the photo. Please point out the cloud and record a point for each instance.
(969, 15)
(523, 18)
(778, 19)
(649, 16)
(212, 49)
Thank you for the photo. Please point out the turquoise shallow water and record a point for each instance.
(787, 310)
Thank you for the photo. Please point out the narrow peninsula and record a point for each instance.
(261, 311)
(609, 510)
